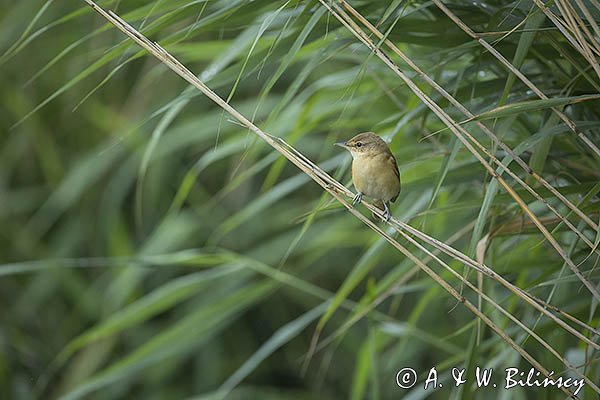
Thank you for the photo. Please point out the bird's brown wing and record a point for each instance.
(392, 160)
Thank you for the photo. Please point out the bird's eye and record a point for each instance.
(358, 144)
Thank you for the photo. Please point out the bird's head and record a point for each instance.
(364, 144)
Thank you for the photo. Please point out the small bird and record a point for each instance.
(374, 170)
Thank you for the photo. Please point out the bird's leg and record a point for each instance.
(357, 198)
(386, 214)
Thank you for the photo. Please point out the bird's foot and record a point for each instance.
(357, 198)
(386, 213)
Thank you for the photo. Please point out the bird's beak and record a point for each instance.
(341, 144)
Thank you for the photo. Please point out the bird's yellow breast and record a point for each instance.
(375, 176)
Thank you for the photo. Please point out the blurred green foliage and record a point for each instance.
(153, 248)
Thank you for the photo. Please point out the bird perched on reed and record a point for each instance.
(374, 170)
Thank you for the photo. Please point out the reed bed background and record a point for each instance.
(168, 240)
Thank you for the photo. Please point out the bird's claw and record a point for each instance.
(386, 213)
(357, 198)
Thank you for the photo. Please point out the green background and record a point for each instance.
(153, 248)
